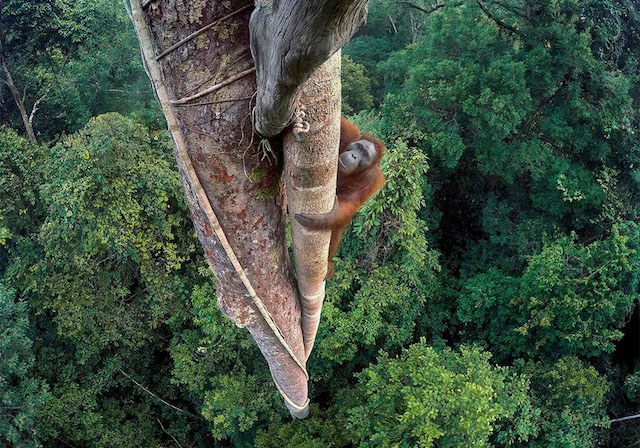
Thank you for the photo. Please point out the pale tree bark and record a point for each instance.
(8, 80)
(198, 57)
(310, 174)
(289, 41)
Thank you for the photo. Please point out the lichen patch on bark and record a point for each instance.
(203, 41)
(195, 11)
(313, 176)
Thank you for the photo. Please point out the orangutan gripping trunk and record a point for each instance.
(359, 179)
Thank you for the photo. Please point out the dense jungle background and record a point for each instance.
(488, 296)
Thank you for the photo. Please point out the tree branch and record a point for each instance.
(395, 29)
(4, 61)
(152, 394)
(420, 8)
(497, 21)
(624, 419)
(512, 9)
(170, 435)
(290, 39)
(36, 105)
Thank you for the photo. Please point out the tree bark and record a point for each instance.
(311, 162)
(290, 39)
(241, 185)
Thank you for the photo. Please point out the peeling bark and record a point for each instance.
(311, 162)
(242, 187)
(290, 39)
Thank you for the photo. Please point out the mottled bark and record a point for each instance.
(242, 186)
(310, 174)
(290, 39)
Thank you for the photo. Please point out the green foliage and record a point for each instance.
(113, 232)
(508, 227)
(67, 54)
(381, 313)
(105, 74)
(324, 428)
(20, 172)
(110, 270)
(234, 403)
(427, 398)
(632, 384)
(234, 399)
(20, 391)
(524, 111)
(356, 87)
(571, 397)
(570, 299)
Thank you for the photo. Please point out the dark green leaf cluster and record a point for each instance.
(20, 391)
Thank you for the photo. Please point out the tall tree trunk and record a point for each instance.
(310, 174)
(239, 180)
(290, 39)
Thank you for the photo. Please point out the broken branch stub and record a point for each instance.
(290, 39)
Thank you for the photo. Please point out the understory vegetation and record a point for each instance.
(486, 297)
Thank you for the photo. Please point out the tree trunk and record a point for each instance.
(229, 172)
(310, 174)
(290, 40)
